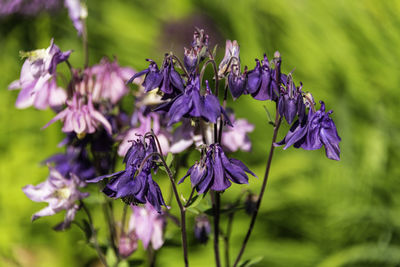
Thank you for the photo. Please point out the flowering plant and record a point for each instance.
(177, 112)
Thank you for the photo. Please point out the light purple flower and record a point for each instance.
(35, 82)
(235, 138)
(23, 7)
(61, 194)
(81, 117)
(127, 244)
(77, 13)
(231, 57)
(109, 81)
(148, 225)
(146, 123)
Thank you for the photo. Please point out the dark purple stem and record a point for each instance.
(215, 198)
(277, 124)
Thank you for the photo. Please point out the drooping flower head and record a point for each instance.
(237, 81)
(81, 117)
(234, 137)
(30, 8)
(148, 224)
(291, 102)
(216, 171)
(314, 131)
(37, 80)
(109, 80)
(145, 122)
(194, 105)
(197, 51)
(74, 162)
(77, 13)
(202, 228)
(133, 184)
(168, 80)
(230, 59)
(60, 192)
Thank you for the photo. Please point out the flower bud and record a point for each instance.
(127, 244)
(202, 228)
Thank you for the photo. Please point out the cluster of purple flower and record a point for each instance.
(94, 120)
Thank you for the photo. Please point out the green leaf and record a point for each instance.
(250, 262)
(111, 258)
(169, 159)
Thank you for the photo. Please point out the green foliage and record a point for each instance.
(316, 212)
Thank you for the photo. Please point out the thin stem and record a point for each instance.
(178, 200)
(278, 120)
(180, 64)
(227, 238)
(110, 224)
(123, 221)
(190, 197)
(85, 45)
(215, 198)
(96, 244)
(221, 124)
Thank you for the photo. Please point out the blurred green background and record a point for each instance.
(316, 212)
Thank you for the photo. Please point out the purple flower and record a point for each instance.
(37, 80)
(231, 57)
(109, 81)
(200, 43)
(61, 194)
(146, 122)
(190, 59)
(168, 80)
(23, 7)
(136, 188)
(202, 228)
(216, 172)
(259, 80)
(291, 102)
(192, 104)
(237, 81)
(77, 13)
(235, 137)
(315, 130)
(80, 117)
(148, 224)
(74, 162)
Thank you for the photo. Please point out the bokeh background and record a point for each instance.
(316, 212)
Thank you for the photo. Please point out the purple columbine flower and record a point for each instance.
(146, 122)
(60, 192)
(291, 102)
(237, 81)
(168, 80)
(194, 105)
(315, 130)
(148, 224)
(81, 117)
(215, 171)
(132, 186)
(35, 82)
(109, 81)
(259, 81)
(77, 13)
(190, 59)
(200, 43)
(74, 162)
(202, 228)
(230, 59)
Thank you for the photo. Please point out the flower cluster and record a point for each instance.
(177, 110)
